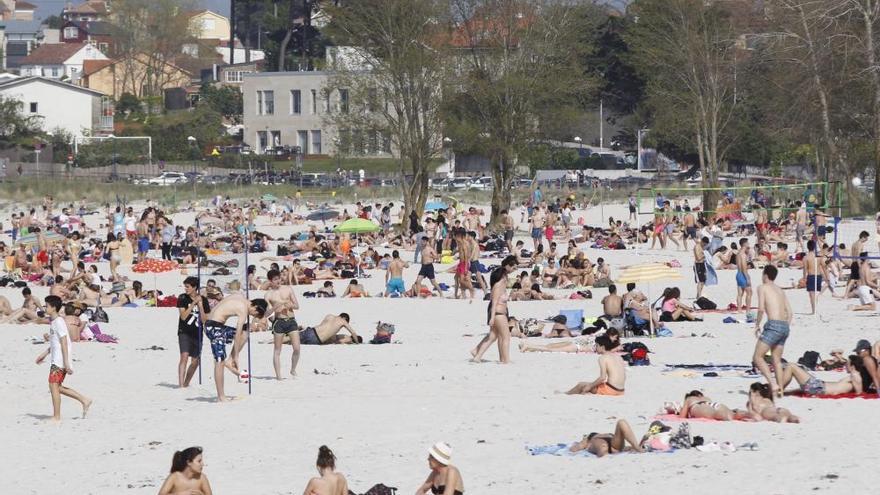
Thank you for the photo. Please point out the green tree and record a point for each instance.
(15, 125)
(225, 100)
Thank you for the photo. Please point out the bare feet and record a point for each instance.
(86, 405)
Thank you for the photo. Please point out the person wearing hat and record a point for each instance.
(444, 478)
(602, 444)
(869, 372)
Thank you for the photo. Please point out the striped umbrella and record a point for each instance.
(647, 273)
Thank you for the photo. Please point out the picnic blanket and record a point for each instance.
(675, 418)
(557, 449)
(850, 395)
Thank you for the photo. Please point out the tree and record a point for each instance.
(686, 50)
(521, 78)
(394, 77)
(225, 100)
(14, 123)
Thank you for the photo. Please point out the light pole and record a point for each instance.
(193, 143)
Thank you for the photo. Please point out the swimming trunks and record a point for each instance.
(608, 389)
(56, 374)
(309, 337)
(865, 295)
(536, 233)
(813, 386)
(775, 333)
(854, 270)
(821, 230)
(508, 235)
(427, 271)
(700, 271)
(691, 232)
(439, 490)
(814, 283)
(741, 280)
(189, 344)
(475, 266)
(143, 245)
(461, 268)
(219, 335)
(395, 285)
(283, 326)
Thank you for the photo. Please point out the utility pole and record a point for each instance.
(601, 124)
(231, 32)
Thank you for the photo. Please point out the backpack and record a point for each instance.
(99, 316)
(705, 304)
(636, 354)
(381, 489)
(809, 360)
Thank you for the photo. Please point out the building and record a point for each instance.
(115, 77)
(16, 10)
(98, 33)
(59, 60)
(291, 109)
(17, 40)
(60, 105)
(90, 10)
(208, 25)
(233, 75)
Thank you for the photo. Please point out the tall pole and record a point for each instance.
(247, 295)
(601, 124)
(199, 293)
(231, 32)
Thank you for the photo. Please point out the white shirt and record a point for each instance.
(130, 223)
(57, 331)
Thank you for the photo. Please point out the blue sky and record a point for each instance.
(45, 8)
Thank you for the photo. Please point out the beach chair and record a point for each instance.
(574, 319)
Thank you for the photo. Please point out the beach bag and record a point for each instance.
(381, 489)
(809, 360)
(705, 304)
(99, 316)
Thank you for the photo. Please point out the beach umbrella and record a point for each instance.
(32, 239)
(150, 265)
(322, 215)
(435, 205)
(647, 273)
(356, 226)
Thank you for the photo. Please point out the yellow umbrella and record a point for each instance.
(648, 272)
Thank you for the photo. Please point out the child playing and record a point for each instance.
(60, 350)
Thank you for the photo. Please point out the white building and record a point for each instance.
(59, 60)
(77, 110)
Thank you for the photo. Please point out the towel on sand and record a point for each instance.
(837, 396)
(558, 449)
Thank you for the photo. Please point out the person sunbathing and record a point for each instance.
(697, 405)
(602, 444)
(578, 345)
(762, 407)
(354, 289)
(673, 309)
(612, 372)
(810, 385)
(31, 311)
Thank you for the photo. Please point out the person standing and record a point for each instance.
(394, 275)
(220, 333)
(429, 256)
(283, 303)
(773, 303)
(193, 308)
(499, 327)
(60, 352)
(700, 264)
(632, 209)
(538, 219)
(743, 280)
(814, 266)
(507, 225)
(167, 232)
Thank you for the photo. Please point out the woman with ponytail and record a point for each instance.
(330, 482)
(186, 476)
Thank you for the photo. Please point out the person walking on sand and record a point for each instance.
(498, 315)
(283, 303)
(814, 267)
(220, 334)
(743, 280)
(700, 264)
(187, 474)
(444, 478)
(193, 308)
(60, 352)
(394, 275)
(612, 372)
(329, 482)
(773, 303)
(429, 256)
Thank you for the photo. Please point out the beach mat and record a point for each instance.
(674, 418)
(850, 395)
(561, 450)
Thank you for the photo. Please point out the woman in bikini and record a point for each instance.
(578, 345)
(115, 257)
(497, 318)
(762, 407)
(673, 309)
(602, 444)
(186, 474)
(329, 482)
(697, 405)
(444, 478)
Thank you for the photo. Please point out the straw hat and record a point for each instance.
(441, 452)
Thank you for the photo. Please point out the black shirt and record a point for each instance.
(190, 326)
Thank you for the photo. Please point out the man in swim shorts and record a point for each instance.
(813, 269)
(538, 219)
(612, 372)
(326, 332)
(427, 269)
(394, 275)
(283, 303)
(743, 280)
(191, 307)
(220, 334)
(773, 303)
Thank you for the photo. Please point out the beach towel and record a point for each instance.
(711, 367)
(674, 418)
(711, 274)
(850, 395)
(102, 337)
(557, 449)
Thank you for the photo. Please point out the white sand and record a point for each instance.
(380, 407)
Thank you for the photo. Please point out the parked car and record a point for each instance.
(482, 184)
(440, 184)
(459, 183)
(168, 178)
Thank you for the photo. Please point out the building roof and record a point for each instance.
(21, 81)
(89, 7)
(92, 66)
(52, 53)
(95, 28)
(16, 26)
(194, 13)
(19, 5)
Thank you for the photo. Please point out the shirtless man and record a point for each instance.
(612, 372)
(690, 229)
(474, 266)
(429, 256)
(867, 285)
(814, 267)
(506, 222)
(394, 275)
(700, 264)
(773, 303)
(463, 269)
(856, 251)
(282, 302)
(355, 289)
(538, 219)
(743, 280)
(220, 334)
(612, 304)
(800, 218)
(326, 332)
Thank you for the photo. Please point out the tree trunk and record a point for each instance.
(500, 186)
(282, 49)
(875, 82)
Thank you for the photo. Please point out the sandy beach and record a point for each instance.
(380, 407)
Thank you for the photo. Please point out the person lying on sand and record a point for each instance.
(327, 331)
(762, 407)
(612, 372)
(697, 405)
(602, 444)
(578, 345)
(811, 385)
(355, 289)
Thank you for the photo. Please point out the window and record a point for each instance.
(71, 32)
(316, 142)
(314, 102)
(302, 140)
(373, 142)
(233, 76)
(208, 24)
(265, 102)
(33, 107)
(343, 100)
(372, 100)
(54, 71)
(103, 47)
(326, 102)
(344, 142)
(386, 142)
(295, 102)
